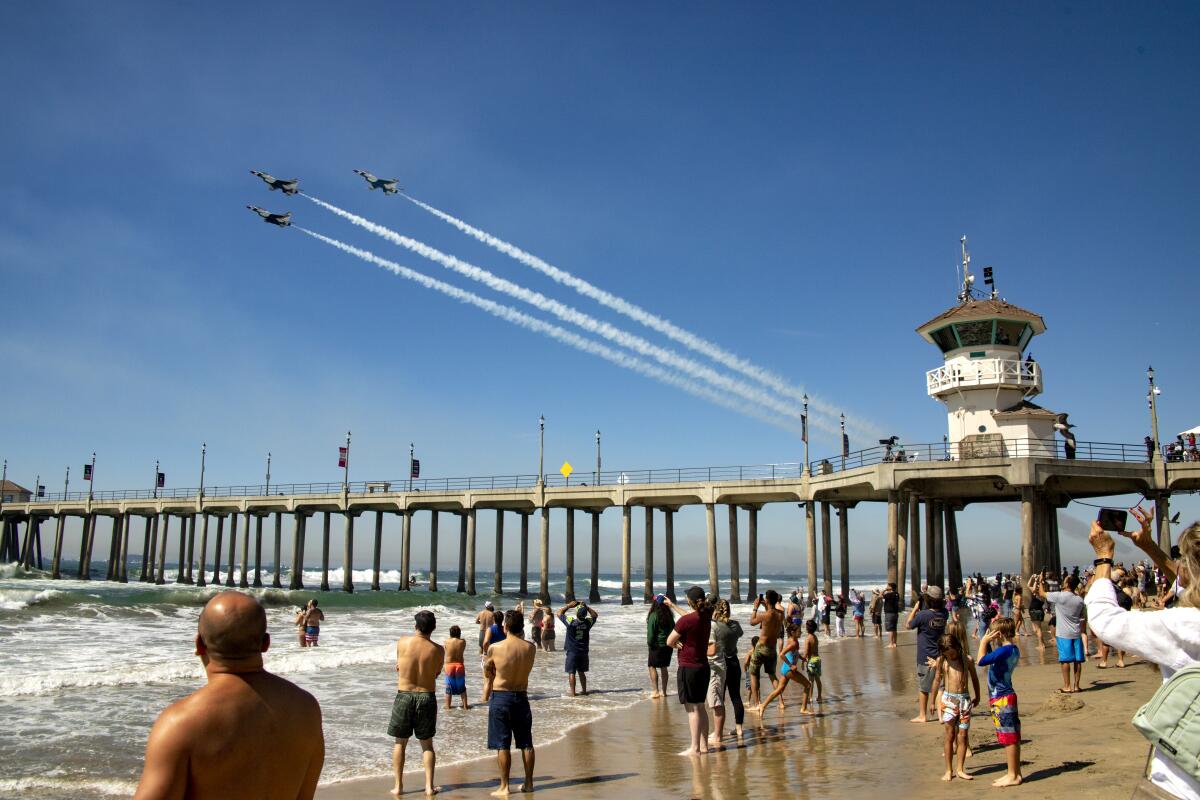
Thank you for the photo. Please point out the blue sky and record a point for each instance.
(788, 181)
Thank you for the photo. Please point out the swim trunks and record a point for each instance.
(813, 667)
(956, 706)
(537, 634)
(413, 713)
(889, 622)
(575, 662)
(1070, 651)
(456, 679)
(311, 633)
(763, 658)
(1006, 719)
(876, 618)
(509, 717)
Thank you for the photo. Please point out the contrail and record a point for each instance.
(639, 314)
(510, 314)
(668, 358)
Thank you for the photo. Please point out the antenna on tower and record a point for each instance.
(968, 280)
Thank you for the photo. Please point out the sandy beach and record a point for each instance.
(1082, 745)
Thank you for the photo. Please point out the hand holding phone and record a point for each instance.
(1112, 519)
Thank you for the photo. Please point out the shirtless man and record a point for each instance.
(247, 733)
(313, 617)
(418, 664)
(484, 620)
(767, 614)
(507, 668)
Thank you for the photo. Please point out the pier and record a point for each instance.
(210, 532)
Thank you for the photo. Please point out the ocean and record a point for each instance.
(86, 666)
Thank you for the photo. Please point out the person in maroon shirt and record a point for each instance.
(690, 638)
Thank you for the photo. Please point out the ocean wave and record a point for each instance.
(16, 599)
(78, 786)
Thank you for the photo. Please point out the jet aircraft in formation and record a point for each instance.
(387, 184)
(282, 220)
(287, 187)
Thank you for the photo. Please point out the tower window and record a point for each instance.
(974, 333)
(944, 338)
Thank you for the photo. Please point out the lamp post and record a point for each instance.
(267, 488)
(156, 479)
(66, 483)
(541, 450)
(845, 443)
(92, 479)
(804, 433)
(346, 466)
(411, 453)
(1154, 391)
(596, 480)
(203, 450)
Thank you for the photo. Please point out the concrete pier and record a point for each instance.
(200, 577)
(325, 551)
(85, 537)
(149, 560)
(569, 586)
(462, 552)
(181, 571)
(276, 582)
(710, 519)
(244, 562)
(930, 542)
(433, 550)
(939, 544)
(191, 549)
(902, 547)
(470, 516)
(810, 527)
(406, 550)
(1028, 554)
(231, 564)
(296, 579)
(163, 534)
(524, 566)
(498, 572)
(544, 558)
(216, 577)
(258, 526)
(379, 547)
(751, 553)
(826, 550)
(648, 558)
(735, 586)
(123, 564)
(844, 547)
(953, 561)
(348, 553)
(56, 561)
(914, 544)
(893, 536)
(594, 582)
(1162, 516)
(626, 544)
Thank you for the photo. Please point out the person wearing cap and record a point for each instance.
(484, 619)
(690, 638)
(577, 641)
(929, 624)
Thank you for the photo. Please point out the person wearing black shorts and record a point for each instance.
(659, 624)
(690, 638)
(576, 642)
(891, 612)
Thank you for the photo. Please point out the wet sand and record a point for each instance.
(862, 741)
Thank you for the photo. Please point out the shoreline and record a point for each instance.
(1082, 744)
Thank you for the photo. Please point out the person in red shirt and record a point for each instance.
(690, 638)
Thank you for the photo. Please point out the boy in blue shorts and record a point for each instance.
(1001, 662)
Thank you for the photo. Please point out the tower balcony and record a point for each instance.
(985, 373)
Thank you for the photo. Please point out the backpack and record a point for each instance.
(1171, 720)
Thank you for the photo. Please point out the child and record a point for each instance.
(955, 669)
(790, 669)
(456, 670)
(1003, 698)
(812, 661)
(751, 692)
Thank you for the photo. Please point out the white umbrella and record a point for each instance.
(1195, 430)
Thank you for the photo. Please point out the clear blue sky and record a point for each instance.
(788, 181)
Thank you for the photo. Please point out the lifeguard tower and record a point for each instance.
(987, 381)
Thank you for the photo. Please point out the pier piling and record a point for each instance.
(594, 582)
(433, 551)
(735, 580)
(626, 524)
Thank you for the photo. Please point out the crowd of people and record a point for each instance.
(274, 722)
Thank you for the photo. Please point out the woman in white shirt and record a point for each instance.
(1169, 638)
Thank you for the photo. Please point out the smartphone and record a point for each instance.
(761, 597)
(1112, 519)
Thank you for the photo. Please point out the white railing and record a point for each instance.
(988, 372)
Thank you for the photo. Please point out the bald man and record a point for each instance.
(247, 733)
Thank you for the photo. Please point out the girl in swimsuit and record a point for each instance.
(789, 671)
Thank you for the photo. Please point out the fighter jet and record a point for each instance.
(387, 184)
(287, 187)
(282, 220)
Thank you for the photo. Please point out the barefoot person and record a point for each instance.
(577, 642)
(456, 669)
(659, 624)
(793, 669)
(1068, 611)
(1001, 661)
(724, 672)
(247, 733)
(484, 619)
(414, 711)
(313, 617)
(954, 670)
(690, 638)
(929, 624)
(507, 668)
(890, 602)
(766, 614)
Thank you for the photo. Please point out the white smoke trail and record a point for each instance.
(653, 321)
(510, 314)
(668, 358)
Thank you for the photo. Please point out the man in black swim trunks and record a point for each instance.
(767, 614)
(507, 667)
(890, 601)
(577, 642)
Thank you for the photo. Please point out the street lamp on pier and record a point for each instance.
(596, 480)
(1152, 397)
(804, 433)
(267, 488)
(203, 451)
(541, 450)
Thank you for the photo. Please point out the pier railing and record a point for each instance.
(790, 471)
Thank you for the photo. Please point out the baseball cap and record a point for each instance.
(488, 605)
(934, 592)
